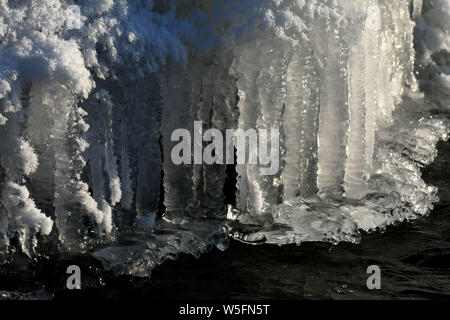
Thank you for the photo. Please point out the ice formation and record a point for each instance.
(86, 116)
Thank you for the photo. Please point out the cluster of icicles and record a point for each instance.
(86, 117)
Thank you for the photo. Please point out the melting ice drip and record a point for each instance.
(87, 115)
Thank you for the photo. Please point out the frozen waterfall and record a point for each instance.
(87, 114)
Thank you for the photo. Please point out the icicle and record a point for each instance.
(110, 159)
(224, 116)
(355, 159)
(125, 172)
(371, 68)
(244, 68)
(201, 99)
(209, 104)
(144, 116)
(272, 87)
(178, 183)
(19, 214)
(214, 175)
(300, 126)
(333, 123)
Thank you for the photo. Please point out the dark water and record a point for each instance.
(414, 259)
